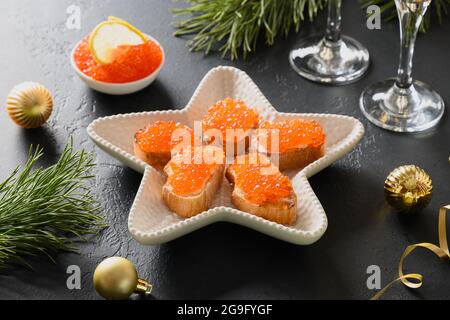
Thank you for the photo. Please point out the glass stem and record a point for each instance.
(410, 13)
(333, 32)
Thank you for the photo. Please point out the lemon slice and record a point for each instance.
(113, 18)
(111, 34)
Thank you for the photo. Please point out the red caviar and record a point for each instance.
(292, 134)
(132, 63)
(260, 180)
(163, 136)
(190, 174)
(230, 114)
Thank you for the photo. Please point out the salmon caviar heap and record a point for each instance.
(292, 134)
(191, 173)
(160, 137)
(260, 180)
(230, 114)
(132, 63)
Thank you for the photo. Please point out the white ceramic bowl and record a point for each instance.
(117, 88)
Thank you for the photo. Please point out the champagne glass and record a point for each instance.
(333, 58)
(402, 104)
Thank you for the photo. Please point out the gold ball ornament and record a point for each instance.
(117, 279)
(408, 188)
(29, 105)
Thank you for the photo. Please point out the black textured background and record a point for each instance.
(224, 260)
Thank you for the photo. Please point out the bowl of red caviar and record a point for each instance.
(134, 67)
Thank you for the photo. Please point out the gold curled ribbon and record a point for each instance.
(441, 251)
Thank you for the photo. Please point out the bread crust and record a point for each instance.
(292, 156)
(162, 155)
(284, 211)
(156, 159)
(187, 206)
(298, 158)
(191, 205)
(245, 140)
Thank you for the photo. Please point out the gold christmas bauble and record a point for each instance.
(408, 188)
(29, 105)
(116, 279)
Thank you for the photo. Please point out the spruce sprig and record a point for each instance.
(42, 210)
(234, 26)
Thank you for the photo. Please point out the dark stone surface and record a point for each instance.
(225, 260)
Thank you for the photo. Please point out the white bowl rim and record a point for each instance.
(112, 84)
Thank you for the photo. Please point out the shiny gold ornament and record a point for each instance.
(116, 279)
(29, 105)
(408, 188)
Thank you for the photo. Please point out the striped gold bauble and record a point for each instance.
(29, 104)
(408, 188)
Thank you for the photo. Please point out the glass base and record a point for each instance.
(320, 60)
(413, 109)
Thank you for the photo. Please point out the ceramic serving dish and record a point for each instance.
(117, 88)
(150, 221)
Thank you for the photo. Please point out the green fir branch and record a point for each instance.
(42, 209)
(234, 26)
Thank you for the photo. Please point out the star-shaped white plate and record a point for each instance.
(150, 221)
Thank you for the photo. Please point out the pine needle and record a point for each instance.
(234, 26)
(42, 209)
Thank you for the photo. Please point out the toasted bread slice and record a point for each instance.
(260, 189)
(229, 124)
(298, 158)
(300, 142)
(156, 159)
(235, 146)
(191, 185)
(154, 143)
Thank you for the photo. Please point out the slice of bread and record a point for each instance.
(277, 204)
(297, 158)
(299, 142)
(154, 143)
(156, 159)
(229, 124)
(237, 146)
(191, 200)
